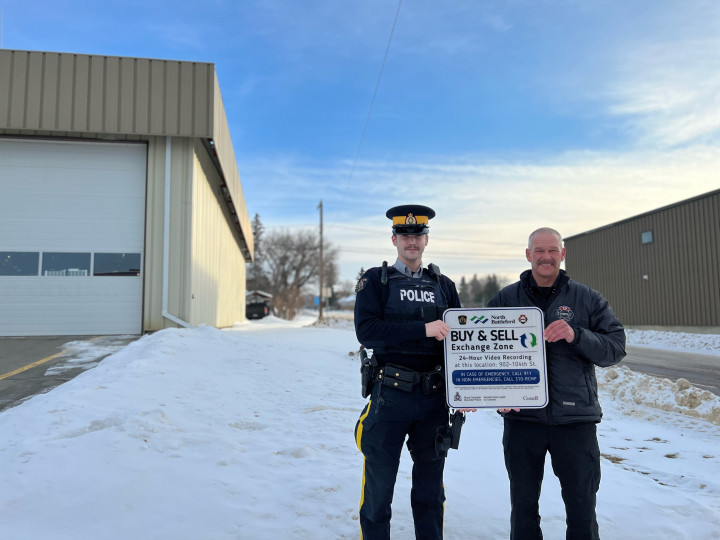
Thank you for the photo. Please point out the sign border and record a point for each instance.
(543, 364)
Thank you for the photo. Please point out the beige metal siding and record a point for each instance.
(181, 230)
(206, 269)
(55, 95)
(673, 281)
(106, 94)
(226, 156)
(218, 267)
(154, 201)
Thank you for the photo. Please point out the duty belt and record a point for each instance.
(402, 378)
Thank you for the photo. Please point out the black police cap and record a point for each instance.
(410, 218)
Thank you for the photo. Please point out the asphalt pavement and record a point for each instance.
(702, 370)
(35, 365)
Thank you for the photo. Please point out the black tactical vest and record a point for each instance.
(413, 299)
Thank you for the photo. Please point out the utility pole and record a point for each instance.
(322, 263)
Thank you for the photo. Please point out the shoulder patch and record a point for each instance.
(360, 284)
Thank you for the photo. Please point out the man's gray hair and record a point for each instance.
(545, 230)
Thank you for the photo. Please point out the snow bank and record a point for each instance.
(629, 389)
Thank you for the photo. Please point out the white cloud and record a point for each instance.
(670, 92)
(485, 209)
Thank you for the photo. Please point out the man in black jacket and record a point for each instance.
(398, 314)
(581, 332)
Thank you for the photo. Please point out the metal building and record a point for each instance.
(121, 208)
(660, 268)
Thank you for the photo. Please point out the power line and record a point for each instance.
(372, 103)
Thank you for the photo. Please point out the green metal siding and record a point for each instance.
(681, 265)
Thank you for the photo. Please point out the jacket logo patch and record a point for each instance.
(360, 285)
(569, 403)
(565, 313)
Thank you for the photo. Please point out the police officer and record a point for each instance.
(398, 314)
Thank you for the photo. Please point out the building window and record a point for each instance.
(116, 264)
(19, 263)
(66, 264)
(646, 237)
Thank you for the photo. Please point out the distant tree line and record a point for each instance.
(478, 292)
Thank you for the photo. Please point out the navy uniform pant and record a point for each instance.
(575, 459)
(389, 416)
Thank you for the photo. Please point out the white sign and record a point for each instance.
(495, 358)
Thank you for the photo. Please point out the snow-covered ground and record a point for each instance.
(247, 433)
(674, 341)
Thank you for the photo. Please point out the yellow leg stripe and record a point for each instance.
(363, 416)
(358, 439)
(362, 496)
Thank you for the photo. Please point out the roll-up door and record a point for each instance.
(72, 226)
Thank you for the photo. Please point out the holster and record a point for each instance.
(433, 381)
(449, 436)
(368, 372)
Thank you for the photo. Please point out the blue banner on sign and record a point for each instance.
(464, 377)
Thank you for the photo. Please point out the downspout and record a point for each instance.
(166, 241)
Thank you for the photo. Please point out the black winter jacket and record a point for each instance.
(599, 341)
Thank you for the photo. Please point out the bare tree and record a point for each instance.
(292, 261)
(287, 263)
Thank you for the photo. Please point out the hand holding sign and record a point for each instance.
(558, 330)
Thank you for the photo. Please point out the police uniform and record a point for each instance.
(407, 398)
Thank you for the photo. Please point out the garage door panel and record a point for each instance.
(81, 197)
(56, 306)
(88, 233)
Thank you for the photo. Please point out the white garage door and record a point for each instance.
(72, 225)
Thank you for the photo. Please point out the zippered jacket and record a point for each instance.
(599, 341)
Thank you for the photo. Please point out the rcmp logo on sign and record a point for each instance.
(564, 313)
(462, 319)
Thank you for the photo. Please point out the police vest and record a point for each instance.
(413, 299)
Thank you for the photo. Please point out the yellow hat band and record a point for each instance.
(414, 220)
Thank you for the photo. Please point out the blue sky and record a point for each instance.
(503, 116)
